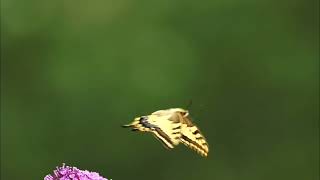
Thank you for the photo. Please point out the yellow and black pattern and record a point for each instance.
(171, 127)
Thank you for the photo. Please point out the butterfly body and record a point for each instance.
(171, 127)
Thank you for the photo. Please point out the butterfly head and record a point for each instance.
(184, 112)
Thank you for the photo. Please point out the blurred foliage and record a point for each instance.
(72, 72)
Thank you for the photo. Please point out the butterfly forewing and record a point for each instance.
(192, 137)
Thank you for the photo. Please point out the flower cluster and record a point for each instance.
(73, 173)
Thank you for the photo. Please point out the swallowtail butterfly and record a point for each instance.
(172, 126)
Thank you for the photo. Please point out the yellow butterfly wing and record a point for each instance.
(166, 130)
(192, 137)
(172, 127)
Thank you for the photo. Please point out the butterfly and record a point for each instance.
(171, 127)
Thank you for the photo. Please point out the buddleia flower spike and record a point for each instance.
(72, 173)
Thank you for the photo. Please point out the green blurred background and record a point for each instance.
(72, 72)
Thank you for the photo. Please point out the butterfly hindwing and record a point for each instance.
(163, 138)
(166, 128)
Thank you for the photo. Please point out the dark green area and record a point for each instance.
(73, 72)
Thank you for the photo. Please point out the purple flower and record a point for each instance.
(73, 173)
